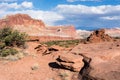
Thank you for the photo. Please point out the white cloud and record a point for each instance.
(27, 4)
(111, 18)
(83, 0)
(78, 15)
(23, 5)
(82, 9)
(48, 17)
(90, 16)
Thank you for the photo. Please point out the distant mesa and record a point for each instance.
(37, 28)
(114, 32)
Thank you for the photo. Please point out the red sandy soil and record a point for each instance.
(21, 69)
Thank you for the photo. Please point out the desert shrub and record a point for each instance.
(2, 45)
(12, 37)
(8, 51)
(63, 43)
(5, 32)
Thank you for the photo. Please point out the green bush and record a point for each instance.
(2, 45)
(9, 51)
(12, 37)
(63, 43)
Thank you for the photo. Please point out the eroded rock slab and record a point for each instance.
(105, 57)
(71, 61)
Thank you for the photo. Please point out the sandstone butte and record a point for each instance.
(99, 36)
(36, 29)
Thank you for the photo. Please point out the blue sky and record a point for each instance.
(83, 14)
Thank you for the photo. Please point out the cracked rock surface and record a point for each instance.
(105, 59)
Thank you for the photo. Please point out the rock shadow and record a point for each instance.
(54, 65)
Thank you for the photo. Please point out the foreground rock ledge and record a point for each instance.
(105, 64)
(71, 62)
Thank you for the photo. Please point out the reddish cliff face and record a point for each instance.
(36, 28)
(21, 19)
(63, 31)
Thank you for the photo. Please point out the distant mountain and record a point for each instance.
(113, 32)
(33, 27)
(82, 34)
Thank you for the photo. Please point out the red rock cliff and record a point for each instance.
(20, 19)
(37, 28)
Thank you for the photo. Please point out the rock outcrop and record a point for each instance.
(42, 49)
(70, 61)
(105, 59)
(99, 36)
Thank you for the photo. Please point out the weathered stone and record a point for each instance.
(71, 61)
(104, 63)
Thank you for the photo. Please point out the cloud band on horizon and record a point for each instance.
(81, 16)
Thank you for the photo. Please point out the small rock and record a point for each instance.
(35, 66)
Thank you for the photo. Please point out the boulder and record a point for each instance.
(70, 61)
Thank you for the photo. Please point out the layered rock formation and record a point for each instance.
(104, 63)
(71, 61)
(36, 29)
(99, 36)
(63, 31)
